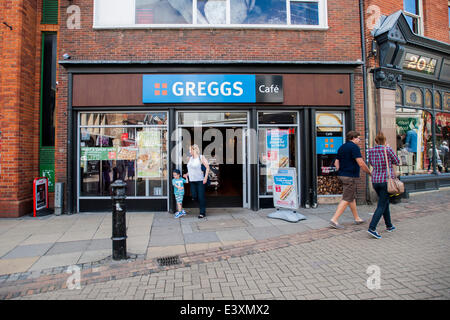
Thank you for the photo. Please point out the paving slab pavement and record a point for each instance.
(320, 264)
(84, 239)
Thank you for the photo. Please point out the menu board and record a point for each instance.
(277, 142)
(149, 161)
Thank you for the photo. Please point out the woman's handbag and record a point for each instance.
(394, 185)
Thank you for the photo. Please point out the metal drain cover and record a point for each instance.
(169, 261)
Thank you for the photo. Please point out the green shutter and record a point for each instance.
(47, 166)
(50, 12)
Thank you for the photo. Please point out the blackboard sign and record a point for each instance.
(40, 194)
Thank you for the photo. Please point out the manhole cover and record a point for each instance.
(168, 261)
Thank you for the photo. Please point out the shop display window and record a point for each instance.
(443, 141)
(414, 141)
(277, 146)
(329, 137)
(129, 147)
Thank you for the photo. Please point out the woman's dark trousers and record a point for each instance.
(382, 207)
(198, 193)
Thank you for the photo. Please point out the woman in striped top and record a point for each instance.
(377, 159)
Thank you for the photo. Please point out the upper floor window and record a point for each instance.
(210, 13)
(414, 15)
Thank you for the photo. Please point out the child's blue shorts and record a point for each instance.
(179, 197)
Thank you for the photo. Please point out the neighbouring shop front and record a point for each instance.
(413, 83)
(137, 125)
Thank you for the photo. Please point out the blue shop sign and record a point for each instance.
(211, 88)
(328, 145)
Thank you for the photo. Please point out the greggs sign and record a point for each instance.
(212, 88)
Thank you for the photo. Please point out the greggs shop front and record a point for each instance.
(136, 124)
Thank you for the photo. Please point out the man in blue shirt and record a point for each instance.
(348, 162)
(411, 141)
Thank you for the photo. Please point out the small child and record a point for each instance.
(178, 190)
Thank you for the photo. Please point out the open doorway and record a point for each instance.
(221, 140)
(226, 172)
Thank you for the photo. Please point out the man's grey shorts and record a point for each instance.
(349, 186)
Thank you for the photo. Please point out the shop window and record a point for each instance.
(443, 141)
(329, 137)
(437, 100)
(277, 146)
(131, 147)
(413, 13)
(166, 13)
(414, 97)
(414, 138)
(399, 96)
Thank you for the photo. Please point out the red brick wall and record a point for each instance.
(435, 16)
(436, 19)
(20, 66)
(340, 42)
(18, 121)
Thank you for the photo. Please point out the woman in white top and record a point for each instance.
(196, 177)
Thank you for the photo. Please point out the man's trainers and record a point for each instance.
(391, 229)
(178, 214)
(374, 234)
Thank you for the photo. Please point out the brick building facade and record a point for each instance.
(322, 54)
(407, 45)
(20, 72)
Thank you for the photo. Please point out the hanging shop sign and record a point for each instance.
(212, 88)
(277, 148)
(40, 194)
(285, 193)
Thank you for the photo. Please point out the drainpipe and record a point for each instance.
(366, 122)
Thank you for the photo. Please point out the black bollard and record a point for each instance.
(119, 226)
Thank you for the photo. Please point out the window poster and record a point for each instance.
(277, 148)
(149, 152)
(98, 153)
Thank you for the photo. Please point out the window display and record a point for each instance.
(443, 140)
(329, 137)
(277, 145)
(130, 147)
(414, 141)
